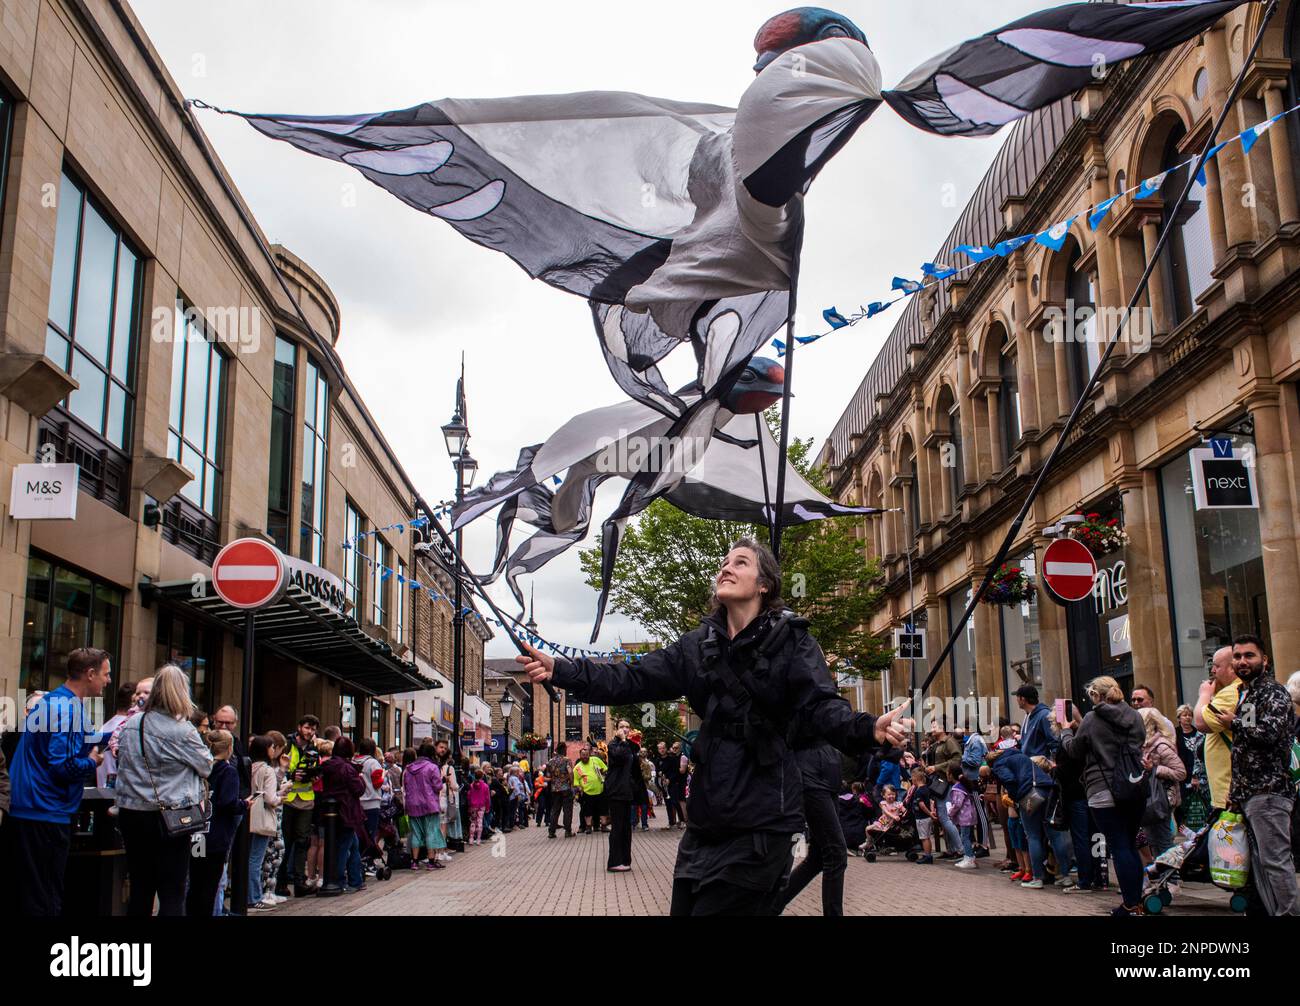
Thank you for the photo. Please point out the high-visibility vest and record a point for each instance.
(300, 791)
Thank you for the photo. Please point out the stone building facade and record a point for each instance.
(969, 394)
(151, 336)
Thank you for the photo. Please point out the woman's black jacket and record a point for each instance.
(760, 697)
(624, 775)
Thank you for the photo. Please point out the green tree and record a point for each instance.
(663, 579)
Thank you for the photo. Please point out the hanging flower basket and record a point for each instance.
(532, 742)
(1101, 536)
(1011, 586)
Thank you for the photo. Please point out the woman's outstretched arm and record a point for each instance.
(658, 676)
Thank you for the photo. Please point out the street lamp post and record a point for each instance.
(530, 627)
(507, 707)
(456, 434)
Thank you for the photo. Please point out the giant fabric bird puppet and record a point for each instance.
(681, 223)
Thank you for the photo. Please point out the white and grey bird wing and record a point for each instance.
(979, 86)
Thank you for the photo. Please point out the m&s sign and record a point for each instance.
(44, 492)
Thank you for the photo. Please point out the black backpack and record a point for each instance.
(1128, 778)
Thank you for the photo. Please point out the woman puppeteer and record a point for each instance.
(760, 685)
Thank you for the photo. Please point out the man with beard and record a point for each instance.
(1262, 729)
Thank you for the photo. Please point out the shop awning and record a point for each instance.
(301, 628)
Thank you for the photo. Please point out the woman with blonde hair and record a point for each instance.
(162, 762)
(1159, 755)
(1110, 741)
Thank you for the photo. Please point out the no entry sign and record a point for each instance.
(1069, 570)
(248, 573)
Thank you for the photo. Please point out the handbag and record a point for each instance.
(1057, 818)
(178, 820)
(262, 820)
(1159, 806)
(1032, 802)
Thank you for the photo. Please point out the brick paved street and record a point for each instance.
(524, 873)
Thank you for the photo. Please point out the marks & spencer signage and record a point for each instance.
(44, 492)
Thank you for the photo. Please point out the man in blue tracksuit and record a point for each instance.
(50, 769)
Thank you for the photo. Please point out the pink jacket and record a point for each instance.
(1167, 766)
(421, 784)
(479, 795)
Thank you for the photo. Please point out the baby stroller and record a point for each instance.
(1180, 860)
(382, 853)
(900, 838)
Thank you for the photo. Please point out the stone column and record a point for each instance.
(1280, 153)
(922, 471)
(945, 483)
(966, 414)
(1064, 399)
(1148, 600)
(1026, 379)
(887, 492)
(1214, 209)
(995, 430)
(1233, 171)
(1277, 534)
(1109, 291)
(1156, 288)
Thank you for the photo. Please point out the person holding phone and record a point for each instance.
(1111, 737)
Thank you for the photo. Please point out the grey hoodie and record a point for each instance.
(178, 758)
(1104, 732)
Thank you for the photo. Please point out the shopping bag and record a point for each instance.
(1229, 852)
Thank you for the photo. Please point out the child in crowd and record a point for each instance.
(961, 810)
(422, 785)
(919, 801)
(1006, 738)
(891, 812)
(479, 796)
(316, 848)
(1019, 840)
(227, 810)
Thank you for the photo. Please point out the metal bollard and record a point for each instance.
(329, 815)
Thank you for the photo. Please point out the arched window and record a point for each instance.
(948, 414)
(958, 476)
(1188, 259)
(912, 504)
(1082, 351)
(1009, 398)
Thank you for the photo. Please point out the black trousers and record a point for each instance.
(560, 804)
(620, 833)
(827, 855)
(205, 878)
(157, 864)
(718, 898)
(296, 826)
(36, 857)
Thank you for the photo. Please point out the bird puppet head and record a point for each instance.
(799, 27)
(758, 388)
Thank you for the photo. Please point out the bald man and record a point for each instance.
(1215, 707)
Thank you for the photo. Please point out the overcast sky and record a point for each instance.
(415, 294)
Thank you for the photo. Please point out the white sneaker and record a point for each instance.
(275, 898)
(965, 863)
(1032, 885)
